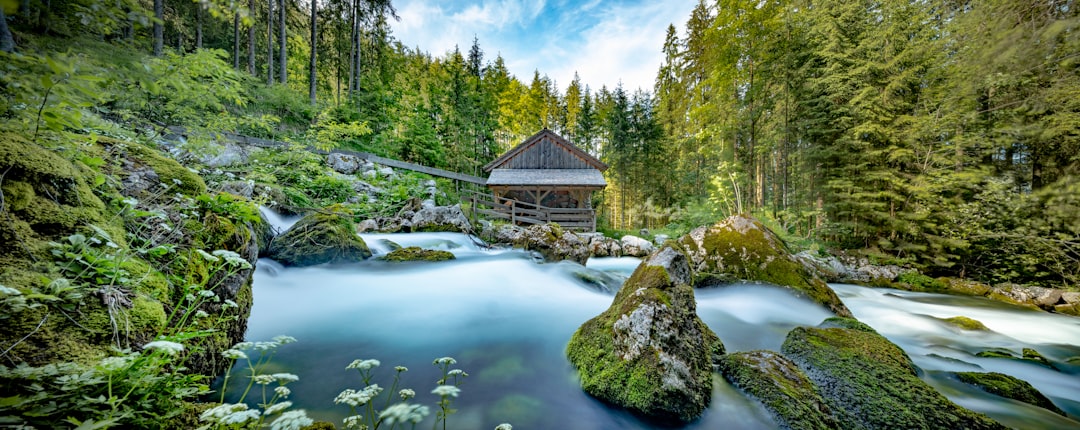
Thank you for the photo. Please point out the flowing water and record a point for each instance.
(506, 319)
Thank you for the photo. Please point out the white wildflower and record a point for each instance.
(282, 391)
(206, 293)
(165, 346)
(176, 181)
(243, 345)
(231, 258)
(457, 372)
(189, 297)
(355, 398)
(234, 354)
(407, 393)
(239, 417)
(229, 304)
(163, 185)
(207, 256)
(401, 369)
(284, 340)
(446, 391)
(263, 379)
(216, 413)
(354, 422)
(110, 364)
(130, 201)
(264, 346)
(404, 413)
(504, 426)
(285, 378)
(201, 314)
(363, 364)
(8, 291)
(277, 407)
(292, 420)
(444, 361)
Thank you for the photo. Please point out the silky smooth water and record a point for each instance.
(507, 318)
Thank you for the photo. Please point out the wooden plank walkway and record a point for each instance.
(264, 143)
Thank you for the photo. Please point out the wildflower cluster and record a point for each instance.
(273, 400)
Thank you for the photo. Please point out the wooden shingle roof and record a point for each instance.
(547, 177)
(546, 150)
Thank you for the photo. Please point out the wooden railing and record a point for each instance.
(519, 212)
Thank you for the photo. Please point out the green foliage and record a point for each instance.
(330, 134)
(229, 205)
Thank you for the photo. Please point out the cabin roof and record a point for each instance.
(554, 138)
(547, 177)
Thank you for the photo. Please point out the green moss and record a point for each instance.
(869, 382)
(915, 281)
(146, 279)
(1009, 387)
(780, 386)
(1035, 356)
(966, 323)
(996, 353)
(168, 170)
(416, 253)
(848, 323)
(17, 194)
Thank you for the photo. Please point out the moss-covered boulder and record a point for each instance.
(1008, 387)
(554, 243)
(325, 236)
(649, 352)
(870, 383)
(743, 248)
(416, 253)
(966, 323)
(778, 384)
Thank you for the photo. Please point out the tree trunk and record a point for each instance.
(282, 66)
(7, 42)
(236, 41)
(159, 20)
(270, 42)
(198, 26)
(251, 38)
(314, 46)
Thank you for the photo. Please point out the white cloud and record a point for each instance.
(603, 41)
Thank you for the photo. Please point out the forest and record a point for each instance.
(941, 134)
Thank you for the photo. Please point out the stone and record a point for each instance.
(649, 352)
(439, 218)
(243, 189)
(1009, 387)
(635, 246)
(326, 236)
(1045, 298)
(343, 163)
(385, 172)
(367, 225)
(659, 239)
(743, 248)
(870, 383)
(966, 323)
(231, 154)
(602, 246)
(554, 243)
(416, 253)
(1070, 297)
(785, 391)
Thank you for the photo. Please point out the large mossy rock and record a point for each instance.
(743, 248)
(554, 243)
(416, 253)
(778, 384)
(870, 383)
(649, 352)
(1008, 387)
(325, 236)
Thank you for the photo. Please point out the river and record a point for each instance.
(506, 319)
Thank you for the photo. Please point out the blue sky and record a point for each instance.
(605, 41)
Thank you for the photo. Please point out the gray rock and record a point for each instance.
(635, 246)
(367, 225)
(554, 243)
(241, 188)
(439, 218)
(231, 154)
(343, 163)
(1071, 297)
(660, 239)
(385, 171)
(649, 352)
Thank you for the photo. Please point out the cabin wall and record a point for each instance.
(545, 154)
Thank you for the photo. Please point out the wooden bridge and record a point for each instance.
(519, 212)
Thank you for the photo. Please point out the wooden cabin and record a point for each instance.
(549, 174)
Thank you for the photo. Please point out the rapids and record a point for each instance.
(507, 318)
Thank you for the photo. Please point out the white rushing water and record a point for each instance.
(507, 319)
